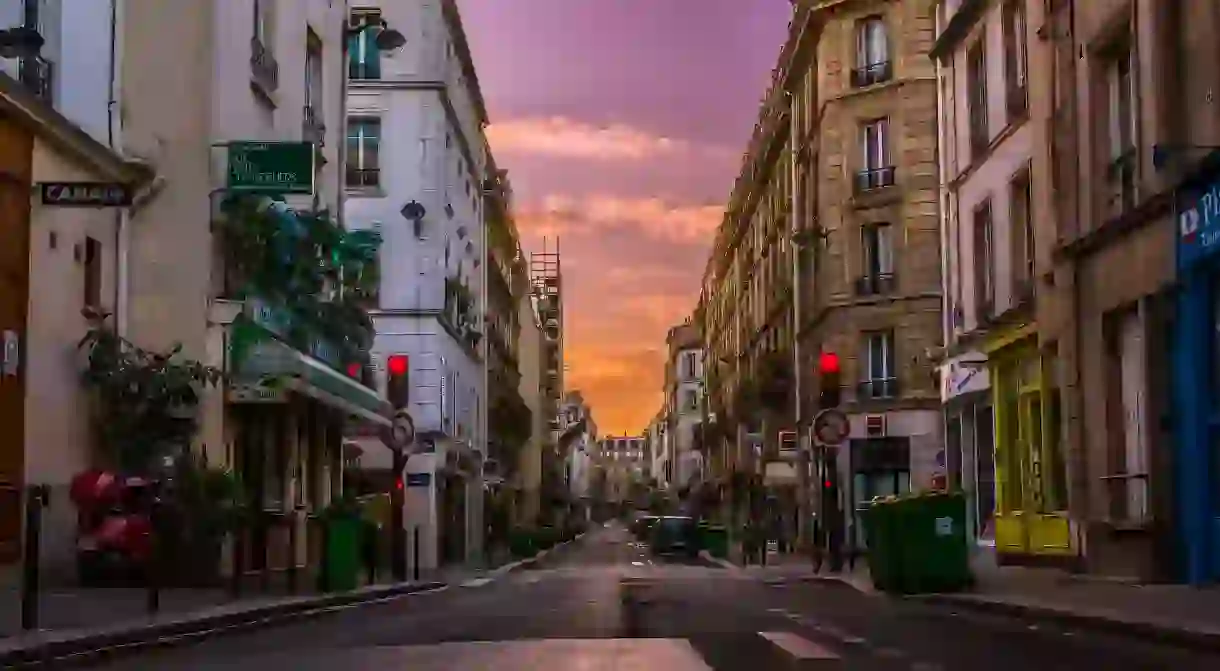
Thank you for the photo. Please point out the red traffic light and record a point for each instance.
(397, 364)
(353, 370)
(828, 484)
(828, 363)
(398, 483)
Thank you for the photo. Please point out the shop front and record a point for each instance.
(1032, 525)
(1196, 374)
(970, 439)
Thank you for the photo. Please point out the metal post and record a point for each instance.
(804, 446)
(398, 532)
(415, 552)
(37, 498)
(292, 549)
(152, 570)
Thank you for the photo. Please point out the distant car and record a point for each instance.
(675, 535)
(642, 526)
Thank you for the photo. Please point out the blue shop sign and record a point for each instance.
(1198, 210)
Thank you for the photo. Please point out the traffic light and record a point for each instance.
(398, 380)
(829, 384)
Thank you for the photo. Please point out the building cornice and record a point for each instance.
(45, 122)
(959, 26)
(454, 18)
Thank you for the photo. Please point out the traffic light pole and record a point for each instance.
(398, 530)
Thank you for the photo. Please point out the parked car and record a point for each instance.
(675, 535)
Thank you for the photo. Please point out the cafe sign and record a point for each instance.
(86, 194)
(271, 168)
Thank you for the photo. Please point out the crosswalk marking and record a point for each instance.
(796, 646)
(476, 582)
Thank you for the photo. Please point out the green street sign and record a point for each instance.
(271, 167)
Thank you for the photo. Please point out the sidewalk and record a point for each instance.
(796, 566)
(1171, 613)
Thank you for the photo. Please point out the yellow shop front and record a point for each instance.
(1032, 525)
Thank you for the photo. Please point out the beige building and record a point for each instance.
(55, 262)
(529, 364)
(842, 171)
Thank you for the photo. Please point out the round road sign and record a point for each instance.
(401, 434)
(831, 426)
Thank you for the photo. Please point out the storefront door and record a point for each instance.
(16, 150)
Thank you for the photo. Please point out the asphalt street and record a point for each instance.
(569, 613)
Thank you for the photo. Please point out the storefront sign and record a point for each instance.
(86, 194)
(964, 375)
(1198, 223)
(271, 167)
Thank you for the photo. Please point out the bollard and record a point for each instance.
(152, 569)
(37, 498)
(370, 552)
(292, 550)
(239, 560)
(415, 552)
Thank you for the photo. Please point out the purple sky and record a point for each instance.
(622, 124)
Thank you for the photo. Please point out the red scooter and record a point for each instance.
(114, 527)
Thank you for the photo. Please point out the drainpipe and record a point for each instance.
(122, 217)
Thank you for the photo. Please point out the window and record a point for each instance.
(976, 83)
(1126, 410)
(314, 129)
(363, 161)
(364, 58)
(1022, 230)
(880, 371)
(690, 366)
(93, 273)
(984, 274)
(1015, 61)
(1121, 87)
(265, 71)
(875, 156)
(872, 53)
(876, 241)
(690, 400)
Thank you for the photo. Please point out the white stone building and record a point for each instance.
(684, 402)
(415, 172)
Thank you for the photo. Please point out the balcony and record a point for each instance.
(880, 388)
(313, 129)
(38, 75)
(264, 70)
(364, 71)
(362, 178)
(875, 284)
(871, 179)
(873, 73)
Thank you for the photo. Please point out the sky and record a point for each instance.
(622, 124)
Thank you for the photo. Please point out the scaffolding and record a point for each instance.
(546, 285)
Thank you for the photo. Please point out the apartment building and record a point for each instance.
(991, 206)
(416, 164)
(684, 404)
(625, 464)
(1132, 125)
(108, 66)
(658, 450)
(577, 444)
(528, 482)
(508, 288)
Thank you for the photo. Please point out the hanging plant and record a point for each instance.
(147, 401)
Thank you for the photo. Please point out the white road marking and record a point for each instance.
(796, 646)
(837, 634)
(477, 582)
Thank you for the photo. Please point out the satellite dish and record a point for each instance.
(413, 211)
(389, 39)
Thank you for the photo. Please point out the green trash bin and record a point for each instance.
(935, 546)
(344, 542)
(715, 539)
(885, 561)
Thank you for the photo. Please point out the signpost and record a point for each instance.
(86, 194)
(271, 168)
(831, 427)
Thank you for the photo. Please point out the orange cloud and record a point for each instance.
(567, 138)
(598, 213)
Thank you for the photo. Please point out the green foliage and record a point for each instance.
(308, 263)
(147, 401)
(210, 501)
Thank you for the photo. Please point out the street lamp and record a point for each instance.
(20, 42)
(386, 39)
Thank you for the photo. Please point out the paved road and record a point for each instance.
(568, 614)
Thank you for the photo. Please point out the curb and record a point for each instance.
(1097, 620)
(95, 647)
(530, 561)
(722, 563)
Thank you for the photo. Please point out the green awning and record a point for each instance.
(306, 375)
